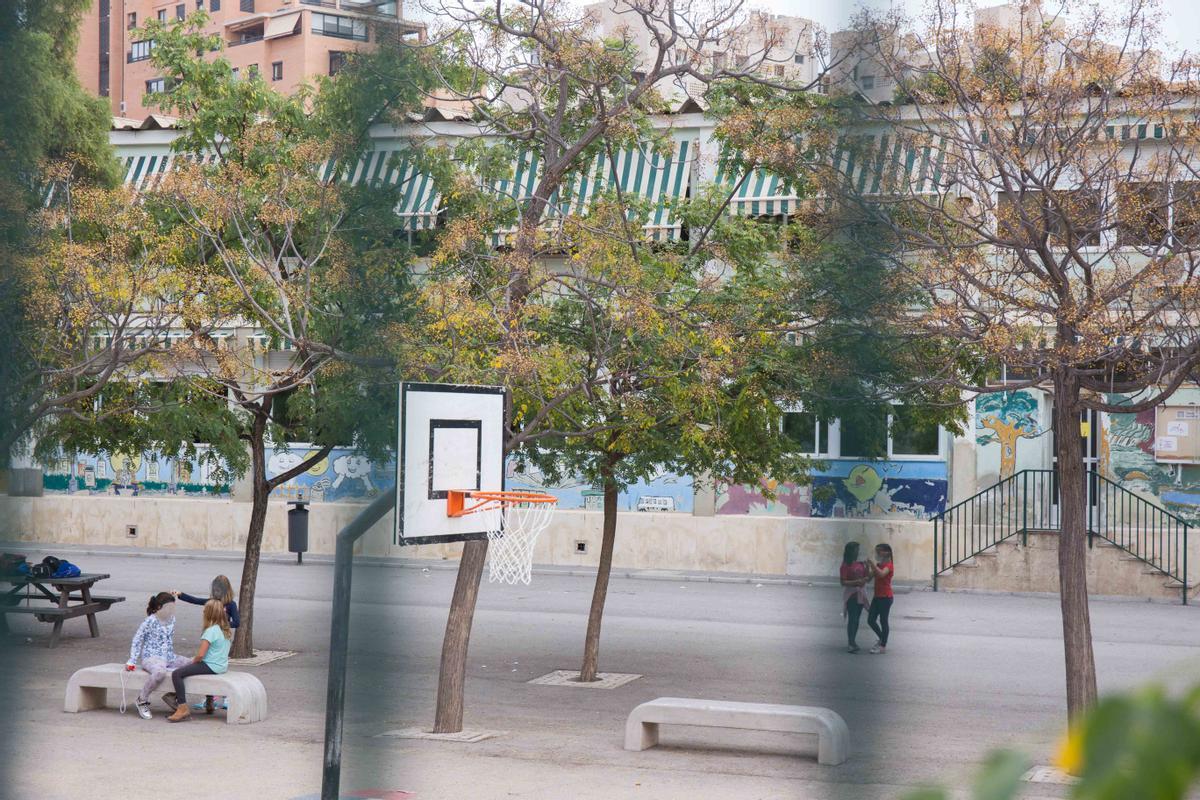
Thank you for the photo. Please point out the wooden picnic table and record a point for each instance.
(50, 600)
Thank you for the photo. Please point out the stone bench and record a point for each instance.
(833, 737)
(89, 687)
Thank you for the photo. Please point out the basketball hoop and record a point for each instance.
(513, 521)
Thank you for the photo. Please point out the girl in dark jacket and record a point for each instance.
(222, 590)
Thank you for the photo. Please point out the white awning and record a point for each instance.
(283, 25)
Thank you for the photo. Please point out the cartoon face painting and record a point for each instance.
(280, 463)
(355, 468)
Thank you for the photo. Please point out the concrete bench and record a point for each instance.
(833, 737)
(89, 687)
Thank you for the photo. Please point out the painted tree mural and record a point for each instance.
(1008, 417)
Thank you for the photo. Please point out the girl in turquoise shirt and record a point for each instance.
(211, 659)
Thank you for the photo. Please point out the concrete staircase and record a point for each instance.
(1015, 566)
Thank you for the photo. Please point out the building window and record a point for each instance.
(899, 434)
(809, 434)
(863, 438)
(247, 5)
(140, 51)
(337, 60)
(1031, 215)
(912, 437)
(162, 15)
(1142, 214)
(867, 82)
(214, 5)
(132, 21)
(799, 58)
(180, 11)
(156, 85)
(277, 71)
(341, 27)
(199, 5)
(105, 11)
(252, 71)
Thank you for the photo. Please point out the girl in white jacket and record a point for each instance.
(153, 648)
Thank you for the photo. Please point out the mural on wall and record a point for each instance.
(849, 489)
(119, 474)
(790, 500)
(1130, 462)
(1007, 417)
(575, 493)
(342, 476)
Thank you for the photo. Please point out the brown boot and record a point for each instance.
(181, 713)
(208, 705)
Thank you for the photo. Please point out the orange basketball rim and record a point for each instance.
(460, 503)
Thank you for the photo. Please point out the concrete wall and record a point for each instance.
(750, 544)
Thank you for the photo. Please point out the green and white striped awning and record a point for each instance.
(873, 164)
(641, 173)
(892, 163)
(656, 178)
(144, 172)
(761, 194)
(420, 201)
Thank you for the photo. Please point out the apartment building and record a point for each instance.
(777, 46)
(287, 42)
(856, 68)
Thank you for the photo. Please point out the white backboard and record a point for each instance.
(451, 437)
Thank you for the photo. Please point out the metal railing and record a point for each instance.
(1028, 501)
(1129, 521)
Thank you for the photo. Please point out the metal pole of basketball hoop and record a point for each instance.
(339, 638)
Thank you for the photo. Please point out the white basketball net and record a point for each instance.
(510, 551)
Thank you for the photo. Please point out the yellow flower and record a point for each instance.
(1069, 757)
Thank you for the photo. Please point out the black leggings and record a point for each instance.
(197, 668)
(877, 617)
(853, 615)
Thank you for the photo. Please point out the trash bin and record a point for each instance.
(298, 529)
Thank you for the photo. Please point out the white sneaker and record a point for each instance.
(143, 709)
(879, 649)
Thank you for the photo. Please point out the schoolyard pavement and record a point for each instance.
(966, 673)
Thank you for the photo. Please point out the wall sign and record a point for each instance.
(1177, 434)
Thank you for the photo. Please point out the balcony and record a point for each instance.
(248, 38)
(387, 8)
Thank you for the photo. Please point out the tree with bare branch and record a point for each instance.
(1038, 176)
(553, 95)
(294, 278)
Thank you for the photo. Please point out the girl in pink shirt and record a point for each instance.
(854, 576)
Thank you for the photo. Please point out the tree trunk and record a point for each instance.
(452, 677)
(591, 643)
(243, 640)
(1072, 550)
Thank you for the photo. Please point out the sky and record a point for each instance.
(1181, 18)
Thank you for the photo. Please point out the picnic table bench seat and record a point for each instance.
(89, 688)
(31, 595)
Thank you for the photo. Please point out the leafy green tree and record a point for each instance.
(682, 366)
(538, 77)
(299, 269)
(53, 137)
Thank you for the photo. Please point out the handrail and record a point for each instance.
(1028, 500)
(1141, 528)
